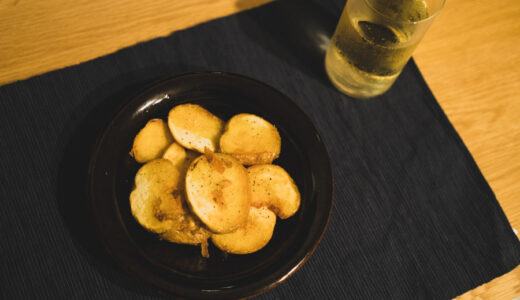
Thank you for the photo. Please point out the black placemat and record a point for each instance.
(413, 216)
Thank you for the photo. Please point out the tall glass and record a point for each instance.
(373, 41)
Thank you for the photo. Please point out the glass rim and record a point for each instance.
(432, 16)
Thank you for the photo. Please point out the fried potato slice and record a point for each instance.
(251, 237)
(151, 141)
(272, 187)
(152, 202)
(188, 230)
(158, 206)
(251, 140)
(190, 157)
(194, 127)
(217, 191)
(175, 154)
(180, 157)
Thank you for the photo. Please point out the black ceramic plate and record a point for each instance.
(179, 270)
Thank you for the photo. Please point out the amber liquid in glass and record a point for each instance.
(365, 58)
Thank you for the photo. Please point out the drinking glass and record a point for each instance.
(373, 41)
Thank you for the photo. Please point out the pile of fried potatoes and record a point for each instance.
(194, 185)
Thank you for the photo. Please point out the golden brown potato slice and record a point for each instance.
(188, 230)
(190, 157)
(194, 127)
(152, 201)
(158, 206)
(251, 140)
(180, 157)
(217, 191)
(151, 141)
(272, 187)
(251, 237)
(176, 154)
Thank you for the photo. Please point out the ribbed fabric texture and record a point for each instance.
(413, 217)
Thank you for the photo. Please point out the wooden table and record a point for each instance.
(470, 58)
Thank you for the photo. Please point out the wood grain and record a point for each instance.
(40, 36)
(470, 58)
